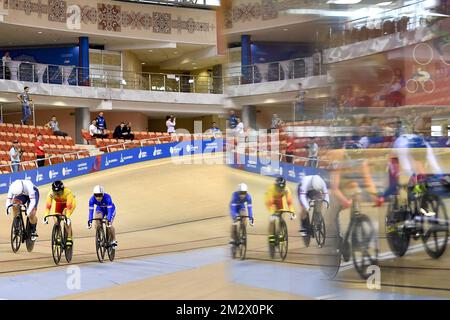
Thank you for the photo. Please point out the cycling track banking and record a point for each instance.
(173, 228)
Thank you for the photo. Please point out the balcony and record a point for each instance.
(109, 78)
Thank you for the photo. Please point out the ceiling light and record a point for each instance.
(175, 52)
(285, 29)
(343, 1)
(193, 63)
(150, 50)
(385, 3)
(39, 32)
(142, 62)
(195, 68)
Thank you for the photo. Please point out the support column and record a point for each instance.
(83, 56)
(246, 59)
(82, 121)
(249, 116)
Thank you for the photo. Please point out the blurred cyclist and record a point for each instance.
(60, 200)
(104, 207)
(237, 208)
(278, 197)
(26, 193)
(310, 188)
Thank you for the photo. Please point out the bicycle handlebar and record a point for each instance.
(59, 216)
(21, 206)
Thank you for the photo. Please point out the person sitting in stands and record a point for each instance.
(94, 132)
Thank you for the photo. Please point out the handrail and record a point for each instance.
(112, 77)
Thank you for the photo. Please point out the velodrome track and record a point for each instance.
(172, 226)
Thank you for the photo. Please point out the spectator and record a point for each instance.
(39, 150)
(214, 130)
(232, 120)
(313, 152)
(300, 104)
(15, 154)
(129, 132)
(95, 132)
(54, 125)
(170, 123)
(317, 60)
(5, 61)
(276, 122)
(118, 131)
(239, 127)
(290, 148)
(101, 123)
(25, 100)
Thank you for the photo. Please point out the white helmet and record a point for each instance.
(16, 188)
(317, 183)
(242, 187)
(98, 190)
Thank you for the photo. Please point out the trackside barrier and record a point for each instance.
(71, 169)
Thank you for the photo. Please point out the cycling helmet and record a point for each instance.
(58, 186)
(317, 183)
(16, 188)
(98, 191)
(242, 187)
(280, 182)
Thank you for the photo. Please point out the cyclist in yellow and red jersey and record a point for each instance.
(60, 200)
(278, 197)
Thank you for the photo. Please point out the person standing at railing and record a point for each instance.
(6, 59)
(313, 153)
(232, 120)
(129, 132)
(101, 123)
(15, 154)
(25, 100)
(317, 61)
(170, 123)
(39, 150)
(214, 130)
(54, 125)
(299, 112)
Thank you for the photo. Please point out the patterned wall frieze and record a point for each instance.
(109, 17)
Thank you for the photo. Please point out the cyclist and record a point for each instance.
(60, 200)
(104, 207)
(26, 193)
(237, 208)
(278, 197)
(310, 188)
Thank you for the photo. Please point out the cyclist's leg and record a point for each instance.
(234, 213)
(98, 215)
(112, 229)
(304, 221)
(273, 218)
(18, 200)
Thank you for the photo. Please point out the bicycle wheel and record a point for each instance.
(364, 245)
(396, 234)
(283, 240)
(412, 86)
(100, 245)
(68, 250)
(242, 241)
(28, 242)
(16, 233)
(435, 228)
(56, 243)
(319, 225)
(110, 249)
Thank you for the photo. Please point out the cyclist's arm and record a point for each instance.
(9, 199)
(289, 201)
(110, 207)
(91, 209)
(233, 207)
(269, 202)
(70, 204)
(302, 197)
(48, 204)
(431, 158)
(249, 207)
(369, 184)
(325, 193)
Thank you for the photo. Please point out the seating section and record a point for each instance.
(62, 148)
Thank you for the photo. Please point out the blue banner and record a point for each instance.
(45, 175)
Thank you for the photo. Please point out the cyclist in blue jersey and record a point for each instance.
(237, 208)
(104, 207)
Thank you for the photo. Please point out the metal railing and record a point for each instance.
(275, 71)
(6, 111)
(109, 78)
